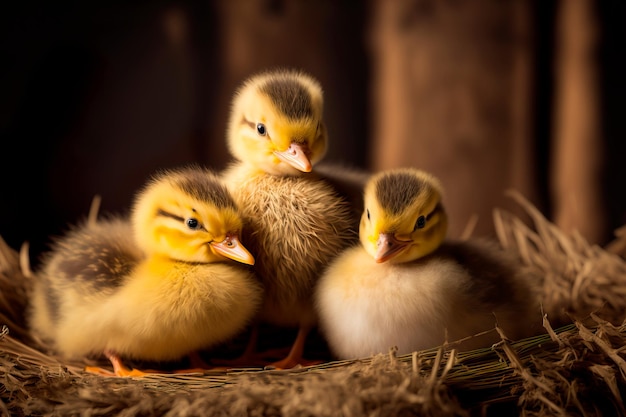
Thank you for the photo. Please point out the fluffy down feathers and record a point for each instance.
(295, 221)
(156, 292)
(294, 226)
(406, 286)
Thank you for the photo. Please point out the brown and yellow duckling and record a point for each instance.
(296, 221)
(406, 286)
(156, 286)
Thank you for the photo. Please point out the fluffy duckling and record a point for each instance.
(407, 286)
(296, 221)
(156, 286)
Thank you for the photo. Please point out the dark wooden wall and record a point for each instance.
(95, 98)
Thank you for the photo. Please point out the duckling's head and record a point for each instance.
(404, 218)
(276, 122)
(188, 215)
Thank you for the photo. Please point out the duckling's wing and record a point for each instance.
(92, 257)
(498, 283)
(82, 266)
(491, 269)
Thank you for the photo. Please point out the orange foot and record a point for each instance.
(249, 358)
(294, 358)
(120, 370)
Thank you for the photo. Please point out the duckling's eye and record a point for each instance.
(261, 130)
(368, 214)
(420, 223)
(193, 224)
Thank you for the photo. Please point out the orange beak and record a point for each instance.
(389, 246)
(232, 248)
(296, 156)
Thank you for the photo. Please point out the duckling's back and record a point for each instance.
(497, 292)
(90, 261)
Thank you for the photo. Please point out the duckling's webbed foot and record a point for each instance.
(295, 356)
(199, 366)
(119, 369)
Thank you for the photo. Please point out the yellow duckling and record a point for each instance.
(156, 286)
(406, 286)
(296, 222)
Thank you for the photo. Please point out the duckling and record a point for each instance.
(407, 286)
(296, 221)
(156, 285)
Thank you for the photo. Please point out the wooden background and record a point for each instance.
(488, 95)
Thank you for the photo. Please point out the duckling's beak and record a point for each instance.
(296, 156)
(389, 246)
(232, 248)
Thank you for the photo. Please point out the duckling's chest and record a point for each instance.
(357, 280)
(272, 196)
(293, 225)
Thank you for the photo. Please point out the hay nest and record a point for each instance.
(575, 368)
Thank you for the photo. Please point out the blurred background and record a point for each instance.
(488, 95)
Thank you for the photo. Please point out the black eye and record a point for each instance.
(193, 224)
(368, 214)
(420, 223)
(261, 130)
